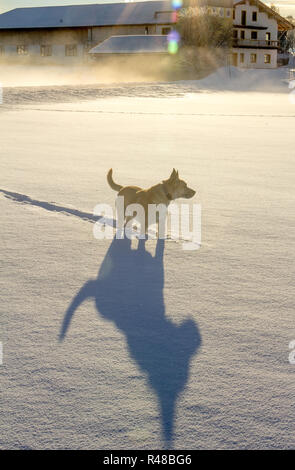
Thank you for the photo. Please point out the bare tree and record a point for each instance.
(206, 40)
(199, 28)
(290, 40)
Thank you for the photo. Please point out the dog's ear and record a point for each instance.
(174, 175)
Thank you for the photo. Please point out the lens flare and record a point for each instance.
(174, 36)
(172, 47)
(173, 40)
(176, 4)
(174, 16)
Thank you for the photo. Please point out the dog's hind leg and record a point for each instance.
(86, 292)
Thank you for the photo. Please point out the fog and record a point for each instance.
(187, 64)
(106, 71)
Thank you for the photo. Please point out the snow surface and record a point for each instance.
(165, 348)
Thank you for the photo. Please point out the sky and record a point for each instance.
(286, 7)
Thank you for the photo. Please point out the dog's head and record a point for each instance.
(177, 187)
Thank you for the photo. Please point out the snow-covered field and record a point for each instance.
(165, 348)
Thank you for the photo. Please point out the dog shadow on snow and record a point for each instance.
(129, 292)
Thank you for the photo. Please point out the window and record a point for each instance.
(146, 30)
(2, 51)
(253, 58)
(267, 58)
(71, 50)
(46, 51)
(221, 12)
(234, 59)
(254, 16)
(22, 50)
(235, 33)
(244, 17)
(242, 58)
(166, 31)
(253, 34)
(234, 14)
(228, 12)
(242, 34)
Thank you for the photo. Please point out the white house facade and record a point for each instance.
(257, 35)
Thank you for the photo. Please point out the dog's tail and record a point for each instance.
(113, 185)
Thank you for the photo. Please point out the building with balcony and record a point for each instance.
(258, 34)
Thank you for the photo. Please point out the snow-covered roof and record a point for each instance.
(132, 45)
(107, 14)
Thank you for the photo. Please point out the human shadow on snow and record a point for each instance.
(129, 292)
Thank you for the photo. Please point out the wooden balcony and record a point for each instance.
(256, 43)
